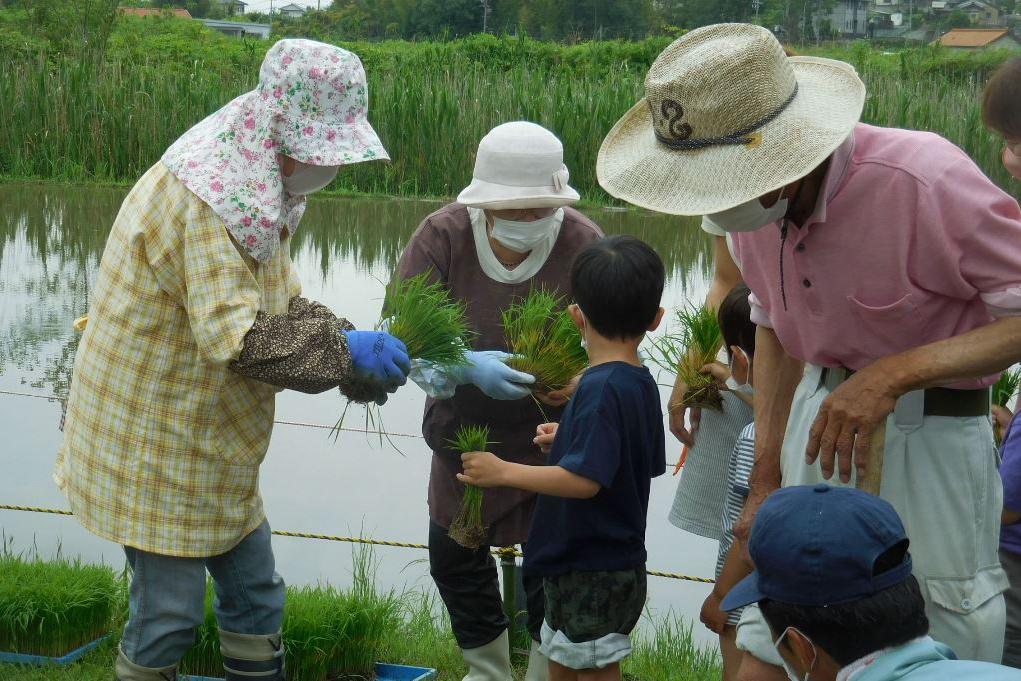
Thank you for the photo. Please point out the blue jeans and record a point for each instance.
(167, 601)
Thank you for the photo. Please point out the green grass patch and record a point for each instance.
(544, 339)
(467, 528)
(1007, 386)
(53, 607)
(684, 352)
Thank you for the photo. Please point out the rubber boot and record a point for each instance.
(127, 670)
(490, 662)
(252, 657)
(538, 664)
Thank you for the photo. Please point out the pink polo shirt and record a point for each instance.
(909, 244)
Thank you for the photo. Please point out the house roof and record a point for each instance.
(971, 37)
(291, 8)
(155, 12)
(973, 3)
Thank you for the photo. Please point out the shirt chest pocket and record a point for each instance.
(889, 325)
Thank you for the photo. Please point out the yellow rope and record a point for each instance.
(505, 552)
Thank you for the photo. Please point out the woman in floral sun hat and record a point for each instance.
(196, 323)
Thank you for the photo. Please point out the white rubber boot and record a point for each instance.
(538, 664)
(490, 662)
(127, 670)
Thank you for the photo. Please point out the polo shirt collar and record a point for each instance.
(835, 174)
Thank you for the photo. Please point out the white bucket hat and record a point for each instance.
(519, 165)
(727, 117)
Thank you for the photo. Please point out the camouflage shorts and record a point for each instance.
(586, 606)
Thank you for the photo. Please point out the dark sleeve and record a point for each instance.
(594, 451)
(304, 350)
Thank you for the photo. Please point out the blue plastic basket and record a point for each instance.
(384, 672)
(23, 658)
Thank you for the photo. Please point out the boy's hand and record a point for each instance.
(482, 469)
(544, 436)
(712, 616)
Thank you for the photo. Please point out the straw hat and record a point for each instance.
(519, 165)
(727, 117)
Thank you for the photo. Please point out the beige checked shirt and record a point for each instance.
(162, 443)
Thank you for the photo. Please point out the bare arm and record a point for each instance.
(726, 276)
(483, 469)
(777, 375)
(1009, 517)
(843, 429)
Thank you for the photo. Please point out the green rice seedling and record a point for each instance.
(686, 352)
(545, 340)
(1007, 387)
(432, 325)
(468, 528)
(51, 607)
(667, 651)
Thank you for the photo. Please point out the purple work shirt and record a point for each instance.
(1010, 472)
(909, 244)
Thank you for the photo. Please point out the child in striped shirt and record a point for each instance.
(739, 335)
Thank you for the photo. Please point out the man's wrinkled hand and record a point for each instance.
(841, 435)
(712, 616)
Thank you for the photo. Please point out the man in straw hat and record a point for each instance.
(511, 230)
(885, 272)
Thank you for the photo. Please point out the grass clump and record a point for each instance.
(328, 633)
(53, 607)
(545, 340)
(685, 353)
(467, 528)
(667, 651)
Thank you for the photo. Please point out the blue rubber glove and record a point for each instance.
(379, 355)
(487, 370)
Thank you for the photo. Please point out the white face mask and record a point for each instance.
(307, 179)
(750, 216)
(791, 672)
(522, 237)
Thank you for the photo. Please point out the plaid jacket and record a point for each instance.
(162, 442)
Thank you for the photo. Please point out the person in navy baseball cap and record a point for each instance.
(833, 579)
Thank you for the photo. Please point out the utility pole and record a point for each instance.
(756, 4)
(485, 15)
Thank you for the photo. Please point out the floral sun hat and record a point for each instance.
(311, 105)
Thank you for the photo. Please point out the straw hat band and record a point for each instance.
(680, 133)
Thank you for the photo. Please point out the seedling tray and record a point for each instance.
(76, 654)
(384, 672)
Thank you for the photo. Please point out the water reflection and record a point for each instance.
(51, 242)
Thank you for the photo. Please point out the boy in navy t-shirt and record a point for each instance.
(588, 534)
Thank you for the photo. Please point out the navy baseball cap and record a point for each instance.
(818, 546)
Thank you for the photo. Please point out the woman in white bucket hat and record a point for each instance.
(510, 230)
(195, 324)
(881, 260)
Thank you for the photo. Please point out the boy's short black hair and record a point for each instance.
(618, 283)
(850, 631)
(735, 316)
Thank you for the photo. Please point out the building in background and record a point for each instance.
(239, 29)
(291, 11)
(977, 39)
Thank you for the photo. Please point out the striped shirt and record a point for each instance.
(738, 473)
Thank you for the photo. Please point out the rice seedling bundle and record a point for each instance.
(545, 340)
(422, 314)
(53, 607)
(685, 353)
(468, 528)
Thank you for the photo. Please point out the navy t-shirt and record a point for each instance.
(612, 433)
